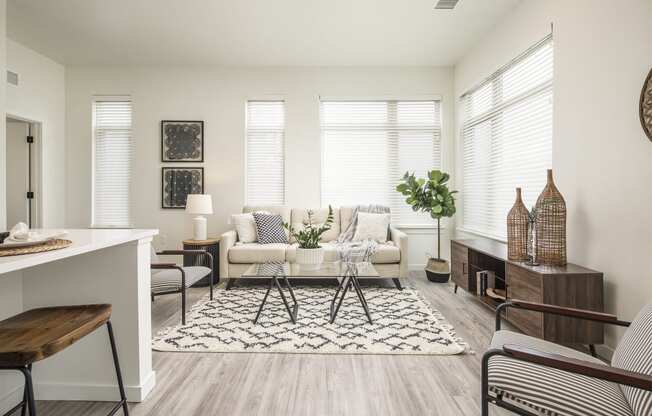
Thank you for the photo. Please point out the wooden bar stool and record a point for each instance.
(39, 333)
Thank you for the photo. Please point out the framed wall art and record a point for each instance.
(178, 183)
(182, 141)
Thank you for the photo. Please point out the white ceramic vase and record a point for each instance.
(310, 258)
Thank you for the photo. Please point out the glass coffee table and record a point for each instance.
(348, 275)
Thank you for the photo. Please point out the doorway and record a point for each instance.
(23, 172)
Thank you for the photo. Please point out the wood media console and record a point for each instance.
(570, 286)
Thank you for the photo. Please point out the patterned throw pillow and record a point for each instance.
(270, 228)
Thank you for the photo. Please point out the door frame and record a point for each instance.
(37, 167)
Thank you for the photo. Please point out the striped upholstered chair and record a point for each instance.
(170, 278)
(530, 376)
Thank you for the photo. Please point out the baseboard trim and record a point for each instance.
(93, 392)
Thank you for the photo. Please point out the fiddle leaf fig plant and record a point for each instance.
(308, 237)
(431, 195)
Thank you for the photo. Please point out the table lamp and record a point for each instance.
(202, 205)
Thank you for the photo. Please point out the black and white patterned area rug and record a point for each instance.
(403, 323)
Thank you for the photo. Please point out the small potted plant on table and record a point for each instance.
(309, 253)
(431, 195)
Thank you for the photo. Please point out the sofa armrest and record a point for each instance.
(401, 240)
(227, 240)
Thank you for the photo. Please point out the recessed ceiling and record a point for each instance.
(251, 32)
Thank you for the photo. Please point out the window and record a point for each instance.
(367, 146)
(112, 158)
(265, 182)
(507, 139)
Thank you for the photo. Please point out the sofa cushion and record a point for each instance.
(346, 216)
(386, 253)
(634, 353)
(170, 280)
(299, 217)
(283, 211)
(257, 253)
(550, 391)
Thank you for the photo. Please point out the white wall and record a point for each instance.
(218, 96)
(40, 96)
(601, 158)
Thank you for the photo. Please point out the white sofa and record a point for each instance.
(390, 260)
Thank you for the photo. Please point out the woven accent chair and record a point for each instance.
(170, 278)
(533, 377)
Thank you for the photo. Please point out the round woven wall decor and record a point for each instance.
(48, 246)
(645, 106)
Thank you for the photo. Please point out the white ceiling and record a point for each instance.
(251, 32)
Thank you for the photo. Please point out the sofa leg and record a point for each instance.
(397, 282)
(229, 283)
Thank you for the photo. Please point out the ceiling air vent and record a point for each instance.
(446, 4)
(12, 78)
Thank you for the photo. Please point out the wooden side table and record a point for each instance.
(212, 246)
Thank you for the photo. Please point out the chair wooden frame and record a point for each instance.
(560, 362)
(174, 266)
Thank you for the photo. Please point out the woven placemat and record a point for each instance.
(47, 246)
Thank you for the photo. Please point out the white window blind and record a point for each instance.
(367, 146)
(507, 139)
(112, 162)
(265, 153)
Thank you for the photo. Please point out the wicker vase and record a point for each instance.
(551, 226)
(517, 230)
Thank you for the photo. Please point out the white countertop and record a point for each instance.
(83, 241)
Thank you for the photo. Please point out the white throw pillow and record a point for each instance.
(372, 227)
(245, 226)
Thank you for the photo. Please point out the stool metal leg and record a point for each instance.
(23, 404)
(29, 391)
(23, 412)
(114, 351)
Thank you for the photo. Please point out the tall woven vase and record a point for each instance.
(517, 230)
(551, 226)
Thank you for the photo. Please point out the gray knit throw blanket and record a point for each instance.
(357, 251)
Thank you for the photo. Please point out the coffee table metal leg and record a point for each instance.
(262, 304)
(295, 308)
(287, 283)
(337, 292)
(346, 283)
(363, 300)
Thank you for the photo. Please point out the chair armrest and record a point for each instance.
(161, 266)
(227, 240)
(401, 240)
(573, 365)
(559, 310)
(181, 252)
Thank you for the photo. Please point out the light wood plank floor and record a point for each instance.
(300, 384)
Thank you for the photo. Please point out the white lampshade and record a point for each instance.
(199, 204)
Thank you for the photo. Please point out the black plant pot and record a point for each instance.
(438, 270)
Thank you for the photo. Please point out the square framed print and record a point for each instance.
(178, 183)
(182, 141)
